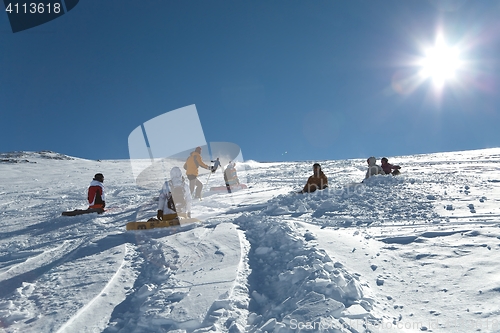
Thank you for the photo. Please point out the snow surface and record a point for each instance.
(412, 253)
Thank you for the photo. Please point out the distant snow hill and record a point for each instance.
(25, 157)
(409, 253)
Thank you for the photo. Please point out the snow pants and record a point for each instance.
(195, 183)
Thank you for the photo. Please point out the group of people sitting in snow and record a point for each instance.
(176, 195)
(318, 180)
(385, 169)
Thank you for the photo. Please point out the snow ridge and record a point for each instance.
(292, 281)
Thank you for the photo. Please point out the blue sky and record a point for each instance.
(285, 80)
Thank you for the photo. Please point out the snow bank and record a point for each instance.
(293, 282)
(380, 199)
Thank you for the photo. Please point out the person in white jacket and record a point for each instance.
(175, 197)
(373, 168)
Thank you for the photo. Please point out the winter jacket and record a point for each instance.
(230, 176)
(216, 165)
(192, 164)
(316, 182)
(176, 190)
(388, 167)
(373, 168)
(96, 195)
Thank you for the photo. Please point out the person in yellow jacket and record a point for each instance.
(191, 166)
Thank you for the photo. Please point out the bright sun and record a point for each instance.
(440, 63)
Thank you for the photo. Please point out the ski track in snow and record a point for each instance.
(114, 290)
(417, 252)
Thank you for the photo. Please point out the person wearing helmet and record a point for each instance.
(191, 166)
(389, 168)
(318, 181)
(95, 193)
(373, 168)
(175, 197)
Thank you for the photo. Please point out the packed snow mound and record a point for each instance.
(292, 280)
(379, 199)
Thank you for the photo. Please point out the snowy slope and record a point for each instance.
(412, 253)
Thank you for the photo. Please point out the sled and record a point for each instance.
(232, 187)
(155, 223)
(83, 211)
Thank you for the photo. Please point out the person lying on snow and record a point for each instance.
(317, 181)
(373, 168)
(175, 197)
(388, 168)
(95, 193)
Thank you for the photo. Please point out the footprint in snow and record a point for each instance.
(472, 209)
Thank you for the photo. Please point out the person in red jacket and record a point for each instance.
(96, 195)
(387, 167)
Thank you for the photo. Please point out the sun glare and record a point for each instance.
(440, 63)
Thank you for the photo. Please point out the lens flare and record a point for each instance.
(441, 63)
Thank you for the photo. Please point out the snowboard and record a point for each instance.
(224, 188)
(83, 211)
(154, 223)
